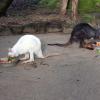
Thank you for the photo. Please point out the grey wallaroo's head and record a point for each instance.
(98, 33)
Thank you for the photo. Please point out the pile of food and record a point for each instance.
(91, 44)
(98, 44)
(7, 60)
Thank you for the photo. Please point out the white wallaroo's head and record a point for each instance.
(12, 53)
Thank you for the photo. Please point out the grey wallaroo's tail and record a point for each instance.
(61, 45)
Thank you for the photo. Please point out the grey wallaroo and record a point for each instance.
(80, 33)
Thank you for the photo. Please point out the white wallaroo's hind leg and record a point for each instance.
(31, 59)
(39, 54)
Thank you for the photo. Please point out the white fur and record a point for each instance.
(29, 45)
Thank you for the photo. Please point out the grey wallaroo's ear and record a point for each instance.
(98, 26)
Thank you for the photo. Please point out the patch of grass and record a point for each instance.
(87, 18)
(84, 6)
(52, 4)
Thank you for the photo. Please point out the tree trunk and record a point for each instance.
(4, 4)
(63, 6)
(74, 9)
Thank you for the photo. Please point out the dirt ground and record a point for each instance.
(74, 75)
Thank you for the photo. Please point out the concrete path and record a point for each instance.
(72, 76)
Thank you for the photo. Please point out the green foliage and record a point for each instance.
(88, 6)
(97, 1)
(87, 18)
(84, 5)
(49, 3)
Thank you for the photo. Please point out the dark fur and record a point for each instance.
(80, 33)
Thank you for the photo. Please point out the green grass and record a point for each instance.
(84, 5)
(87, 18)
(52, 4)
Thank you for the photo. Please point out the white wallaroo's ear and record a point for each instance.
(9, 49)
